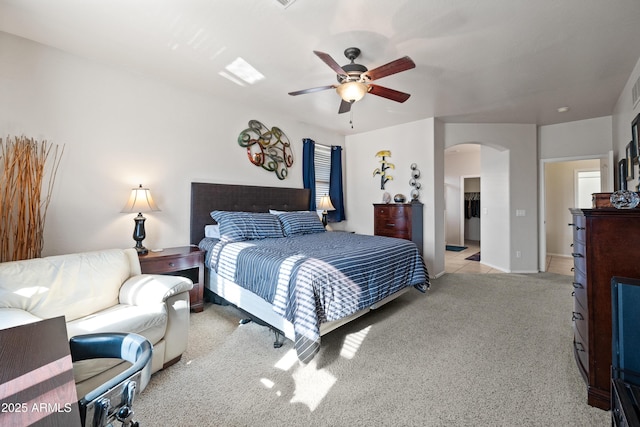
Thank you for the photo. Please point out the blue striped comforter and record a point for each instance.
(320, 277)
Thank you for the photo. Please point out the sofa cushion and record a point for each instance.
(150, 321)
(74, 285)
(10, 317)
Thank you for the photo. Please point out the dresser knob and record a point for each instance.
(391, 225)
(171, 264)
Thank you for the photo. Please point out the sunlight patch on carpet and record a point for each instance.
(287, 361)
(353, 342)
(311, 385)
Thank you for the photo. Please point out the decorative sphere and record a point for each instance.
(399, 198)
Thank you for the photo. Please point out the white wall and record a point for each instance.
(591, 137)
(418, 142)
(623, 114)
(508, 184)
(121, 129)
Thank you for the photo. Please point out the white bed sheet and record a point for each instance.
(263, 310)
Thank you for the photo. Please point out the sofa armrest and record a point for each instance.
(152, 288)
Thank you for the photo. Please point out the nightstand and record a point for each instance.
(186, 261)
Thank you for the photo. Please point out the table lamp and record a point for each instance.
(325, 205)
(140, 201)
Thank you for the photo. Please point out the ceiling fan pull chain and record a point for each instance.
(351, 118)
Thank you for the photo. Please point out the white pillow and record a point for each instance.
(275, 212)
(212, 231)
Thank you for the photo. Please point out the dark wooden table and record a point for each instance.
(36, 376)
(186, 261)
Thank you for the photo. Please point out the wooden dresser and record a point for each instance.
(402, 220)
(606, 243)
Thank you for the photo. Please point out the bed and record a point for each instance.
(271, 258)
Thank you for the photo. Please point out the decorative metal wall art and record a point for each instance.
(384, 165)
(413, 182)
(267, 148)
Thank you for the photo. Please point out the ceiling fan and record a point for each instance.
(354, 80)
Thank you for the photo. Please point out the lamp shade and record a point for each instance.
(325, 204)
(352, 91)
(140, 200)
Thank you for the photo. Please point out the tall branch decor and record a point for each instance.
(384, 165)
(23, 172)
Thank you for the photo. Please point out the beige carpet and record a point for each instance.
(477, 350)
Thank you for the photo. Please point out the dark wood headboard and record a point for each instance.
(207, 197)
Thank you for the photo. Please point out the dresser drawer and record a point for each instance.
(580, 288)
(579, 228)
(579, 258)
(580, 319)
(168, 265)
(392, 231)
(398, 222)
(393, 213)
(581, 350)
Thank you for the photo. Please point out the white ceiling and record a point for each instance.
(499, 61)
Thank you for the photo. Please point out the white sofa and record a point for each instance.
(101, 291)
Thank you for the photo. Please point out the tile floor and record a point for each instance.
(455, 262)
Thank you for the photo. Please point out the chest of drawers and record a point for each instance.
(401, 220)
(605, 244)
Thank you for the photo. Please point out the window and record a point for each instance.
(322, 163)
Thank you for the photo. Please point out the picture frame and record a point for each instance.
(630, 156)
(635, 138)
(622, 174)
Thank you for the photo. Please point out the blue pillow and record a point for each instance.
(239, 226)
(296, 223)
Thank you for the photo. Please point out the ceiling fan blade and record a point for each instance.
(345, 107)
(393, 67)
(327, 59)
(391, 94)
(311, 90)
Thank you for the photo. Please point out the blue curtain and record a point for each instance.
(309, 170)
(335, 186)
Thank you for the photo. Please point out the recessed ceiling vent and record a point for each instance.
(635, 93)
(285, 3)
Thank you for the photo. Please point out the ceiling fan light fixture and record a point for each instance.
(352, 91)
